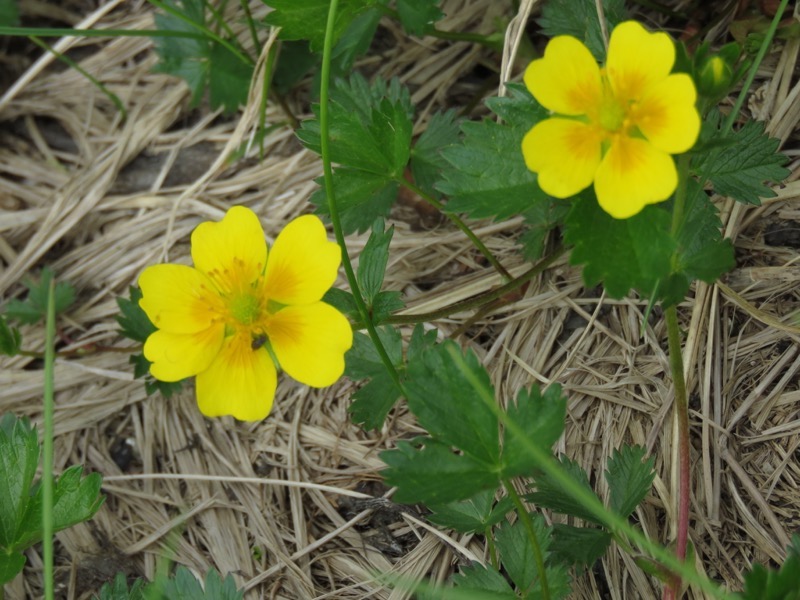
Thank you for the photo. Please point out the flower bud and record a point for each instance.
(714, 77)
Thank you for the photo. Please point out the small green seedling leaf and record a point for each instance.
(418, 16)
(34, 308)
(10, 338)
(578, 18)
(474, 514)
(629, 478)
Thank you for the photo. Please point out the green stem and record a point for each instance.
(615, 523)
(66, 32)
(250, 24)
(47, 450)
(494, 559)
(324, 126)
(458, 223)
(527, 522)
(481, 299)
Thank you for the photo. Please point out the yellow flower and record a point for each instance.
(616, 126)
(226, 318)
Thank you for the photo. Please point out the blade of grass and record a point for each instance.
(47, 458)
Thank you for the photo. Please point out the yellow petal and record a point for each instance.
(302, 263)
(637, 60)
(667, 115)
(232, 251)
(633, 174)
(179, 299)
(176, 356)
(567, 80)
(239, 382)
(310, 342)
(564, 153)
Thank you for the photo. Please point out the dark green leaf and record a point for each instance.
(430, 472)
(9, 13)
(784, 584)
(474, 514)
(373, 401)
(361, 197)
(487, 176)
(228, 79)
(34, 307)
(578, 18)
(540, 219)
(550, 493)
(342, 301)
(491, 584)
(295, 61)
(19, 458)
(449, 407)
(373, 259)
(746, 159)
(579, 546)
(185, 586)
(629, 478)
(541, 417)
(355, 39)
(622, 254)
(11, 565)
(134, 322)
(384, 304)
(307, 19)
(427, 162)
(417, 16)
(118, 589)
(10, 338)
(517, 552)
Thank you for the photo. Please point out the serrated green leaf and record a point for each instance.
(629, 478)
(742, 163)
(228, 79)
(355, 40)
(622, 254)
(449, 407)
(418, 16)
(11, 565)
(141, 368)
(474, 514)
(579, 546)
(185, 586)
(487, 176)
(541, 417)
(295, 61)
(578, 18)
(783, 584)
(428, 471)
(34, 308)
(118, 589)
(10, 338)
(550, 493)
(361, 198)
(19, 458)
(372, 402)
(134, 322)
(427, 162)
(307, 19)
(540, 220)
(517, 552)
(384, 304)
(342, 301)
(373, 259)
(489, 582)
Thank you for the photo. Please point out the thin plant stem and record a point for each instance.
(488, 534)
(107, 33)
(458, 223)
(47, 445)
(527, 522)
(324, 126)
(250, 24)
(615, 523)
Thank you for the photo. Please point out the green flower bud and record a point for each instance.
(714, 77)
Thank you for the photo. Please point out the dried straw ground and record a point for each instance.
(293, 506)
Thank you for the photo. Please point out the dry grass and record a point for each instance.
(289, 504)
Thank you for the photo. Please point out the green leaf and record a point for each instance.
(449, 407)
(19, 458)
(34, 308)
(540, 219)
(743, 161)
(185, 586)
(417, 16)
(579, 546)
(11, 565)
(474, 514)
(550, 493)
(487, 176)
(489, 582)
(373, 401)
(361, 198)
(372, 261)
(384, 304)
(578, 18)
(541, 417)
(620, 253)
(228, 79)
(517, 552)
(118, 589)
(133, 321)
(307, 19)
(355, 40)
(783, 584)
(629, 478)
(427, 162)
(294, 62)
(9, 13)
(10, 338)
(342, 301)
(428, 471)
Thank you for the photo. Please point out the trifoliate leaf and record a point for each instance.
(417, 16)
(579, 19)
(118, 589)
(475, 514)
(372, 261)
(742, 162)
(201, 62)
(34, 307)
(487, 176)
(629, 478)
(361, 198)
(783, 584)
(430, 472)
(579, 546)
(10, 338)
(550, 493)
(427, 162)
(373, 401)
(620, 253)
(307, 19)
(541, 417)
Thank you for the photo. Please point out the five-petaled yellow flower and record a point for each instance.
(226, 319)
(616, 126)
